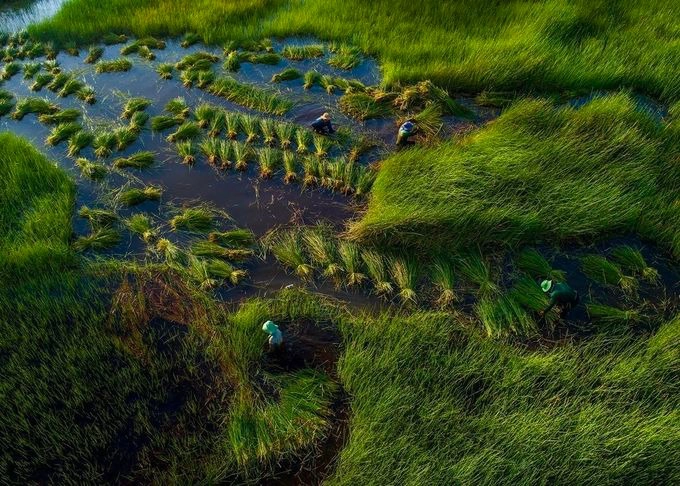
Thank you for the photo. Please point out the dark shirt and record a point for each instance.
(561, 294)
(320, 125)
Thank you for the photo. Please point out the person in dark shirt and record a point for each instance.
(561, 294)
(406, 130)
(322, 125)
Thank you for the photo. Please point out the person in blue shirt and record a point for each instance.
(406, 130)
(275, 336)
(322, 125)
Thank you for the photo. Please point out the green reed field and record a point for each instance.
(538, 173)
(464, 45)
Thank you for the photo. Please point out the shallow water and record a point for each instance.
(17, 15)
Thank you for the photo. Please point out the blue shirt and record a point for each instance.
(407, 128)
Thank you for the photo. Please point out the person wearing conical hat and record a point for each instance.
(323, 125)
(561, 294)
(275, 336)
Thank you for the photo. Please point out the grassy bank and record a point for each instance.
(538, 173)
(462, 45)
(433, 404)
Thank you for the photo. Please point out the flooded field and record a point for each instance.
(16, 15)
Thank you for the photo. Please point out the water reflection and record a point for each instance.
(17, 15)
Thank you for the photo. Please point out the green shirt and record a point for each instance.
(561, 294)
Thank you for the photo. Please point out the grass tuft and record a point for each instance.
(113, 66)
(136, 196)
(140, 160)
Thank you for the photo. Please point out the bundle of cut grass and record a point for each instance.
(285, 132)
(10, 69)
(269, 161)
(170, 252)
(138, 121)
(205, 113)
(187, 151)
(601, 270)
(213, 250)
(58, 82)
(97, 217)
(42, 80)
(299, 53)
(233, 62)
(87, 94)
(134, 105)
(113, 66)
(241, 153)
(194, 220)
(140, 160)
(239, 238)
(444, 280)
(268, 130)
(205, 79)
(71, 49)
(104, 143)
(363, 106)
(31, 69)
(302, 139)
(286, 248)
(249, 125)
(269, 58)
(322, 145)
(165, 70)
(51, 51)
(428, 121)
(612, 316)
(224, 154)
(424, 94)
(190, 39)
(91, 170)
(186, 131)
(125, 136)
(312, 169)
(63, 116)
(163, 122)
(148, 42)
(503, 315)
(226, 120)
(177, 107)
(350, 255)
(135, 196)
(79, 141)
(632, 259)
(39, 106)
(360, 147)
(377, 271)
(290, 166)
(217, 124)
(102, 239)
(405, 273)
(364, 181)
(62, 132)
(111, 39)
(6, 102)
(210, 148)
(535, 265)
(141, 224)
(287, 74)
(311, 78)
(212, 272)
(197, 61)
(329, 83)
(189, 77)
(250, 96)
(94, 54)
(345, 57)
(70, 87)
(476, 270)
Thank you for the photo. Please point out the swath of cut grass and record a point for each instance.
(286, 248)
(363, 106)
(194, 220)
(140, 160)
(299, 53)
(405, 273)
(102, 239)
(134, 105)
(376, 267)
(62, 132)
(287, 74)
(632, 259)
(113, 66)
(345, 57)
(79, 141)
(91, 170)
(141, 225)
(63, 116)
(177, 107)
(250, 96)
(165, 70)
(186, 131)
(187, 151)
(210, 249)
(94, 54)
(98, 217)
(104, 143)
(40, 106)
(136, 196)
(601, 270)
(475, 269)
(163, 122)
(237, 238)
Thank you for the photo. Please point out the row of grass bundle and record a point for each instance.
(62, 132)
(6, 102)
(250, 96)
(139, 160)
(63, 116)
(39, 106)
(606, 272)
(134, 105)
(79, 141)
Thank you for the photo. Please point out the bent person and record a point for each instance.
(323, 125)
(275, 336)
(406, 130)
(561, 295)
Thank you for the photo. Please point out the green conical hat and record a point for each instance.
(546, 285)
(269, 327)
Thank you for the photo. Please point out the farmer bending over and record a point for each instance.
(275, 336)
(561, 295)
(322, 125)
(406, 130)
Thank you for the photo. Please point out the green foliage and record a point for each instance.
(139, 160)
(91, 170)
(134, 105)
(363, 106)
(531, 262)
(287, 74)
(287, 249)
(135, 196)
(194, 220)
(113, 66)
(299, 53)
(250, 96)
(64, 116)
(101, 239)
